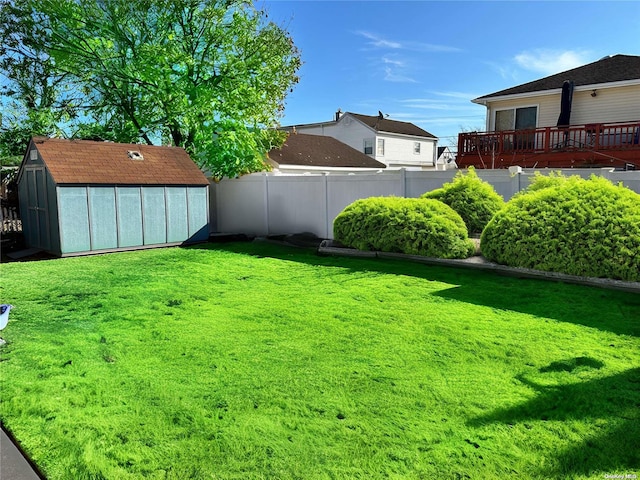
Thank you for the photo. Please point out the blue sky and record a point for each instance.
(423, 62)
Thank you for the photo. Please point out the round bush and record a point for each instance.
(474, 199)
(569, 225)
(404, 225)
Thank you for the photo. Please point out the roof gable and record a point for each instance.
(390, 126)
(90, 162)
(616, 68)
(320, 151)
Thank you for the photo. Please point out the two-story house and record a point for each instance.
(394, 143)
(588, 116)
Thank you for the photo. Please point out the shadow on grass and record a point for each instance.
(607, 310)
(611, 404)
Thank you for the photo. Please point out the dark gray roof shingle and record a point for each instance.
(616, 68)
(391, 126)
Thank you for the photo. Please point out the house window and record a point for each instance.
(368, 146)
(416, 148)
(516, 119)
(380, 150)
(524, 118)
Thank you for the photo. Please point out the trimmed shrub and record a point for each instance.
(403, 225)
(539, 181)
(474, 199)
(569, 225)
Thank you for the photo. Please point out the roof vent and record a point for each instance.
(135, 155)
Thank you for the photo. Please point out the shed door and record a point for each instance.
(38, 233)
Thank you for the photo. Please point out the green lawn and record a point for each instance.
(253, 360)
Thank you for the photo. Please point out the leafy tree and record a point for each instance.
(208, 75)
(31, 89)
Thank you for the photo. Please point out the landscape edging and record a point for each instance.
(478, 262)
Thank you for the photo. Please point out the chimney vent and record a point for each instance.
(338, 114)
(134, 155)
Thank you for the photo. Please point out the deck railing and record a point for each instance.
(589, 137)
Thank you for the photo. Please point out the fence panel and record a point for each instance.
(262, 204)
(418, 183)
(343, 190)
(240, 205)
(297, 204)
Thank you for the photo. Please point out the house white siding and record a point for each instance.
(616, 104)
(398, 149)
(347, 130)
(613, 104)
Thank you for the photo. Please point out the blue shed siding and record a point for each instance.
(198, 212)
(94, 218)
(129, 205)
(73, 209)
(177, 220)
(102, 213)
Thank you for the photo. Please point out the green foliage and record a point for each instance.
(539, 181)
(36, 97)
(474, 199)
(210, 76)
(405, 225)
(569, 225)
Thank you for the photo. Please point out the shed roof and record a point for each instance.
(391, 126)
(91, 162)
(320, 151)
(615, 68)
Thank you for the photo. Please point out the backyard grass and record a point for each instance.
(254, 360)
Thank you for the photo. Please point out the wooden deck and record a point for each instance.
(592, 145)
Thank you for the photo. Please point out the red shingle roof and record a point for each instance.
(320, 151)
(89, 162)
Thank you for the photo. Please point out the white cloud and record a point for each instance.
(466, 96)
(506, 72)
(430, 47)
(392, 61)
(378, 41)
(391, 76)
(549, 62)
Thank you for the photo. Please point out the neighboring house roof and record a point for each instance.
(375, 122)
(616, 68)
(441, 150)
(320, 151)
(391, 126)
(90, 162)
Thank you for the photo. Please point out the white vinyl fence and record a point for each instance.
(266, 204)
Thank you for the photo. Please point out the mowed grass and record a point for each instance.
(253, 360)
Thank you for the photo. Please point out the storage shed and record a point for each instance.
(80, 196)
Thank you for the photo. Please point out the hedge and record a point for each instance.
(569, 225)
(474, 199)
(404, 225)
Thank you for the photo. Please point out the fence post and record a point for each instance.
(325, 182)
(515, 172)
(266, 203)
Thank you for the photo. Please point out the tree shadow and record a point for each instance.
(612, 404)
(618, 311)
